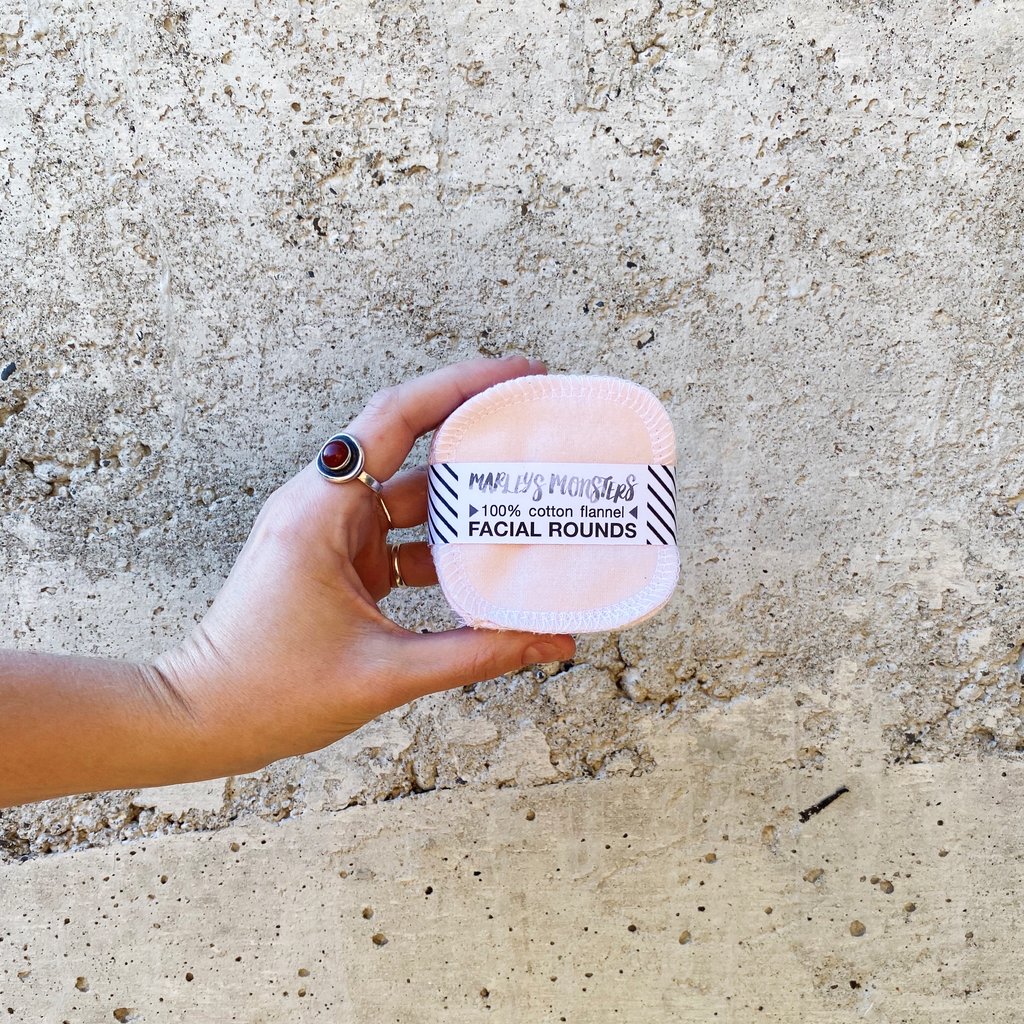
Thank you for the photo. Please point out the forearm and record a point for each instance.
(74, 724)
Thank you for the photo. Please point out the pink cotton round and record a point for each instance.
(557, 588)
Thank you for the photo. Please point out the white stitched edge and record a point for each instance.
(623, 393)
(474, 610)
(515, 392)
(459, 589)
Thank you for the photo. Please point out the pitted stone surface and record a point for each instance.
(799, 225)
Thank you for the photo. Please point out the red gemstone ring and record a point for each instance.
(341, 459)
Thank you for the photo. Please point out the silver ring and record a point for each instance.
(345, 462)
(396, 570)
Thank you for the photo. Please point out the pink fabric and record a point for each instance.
(557, 588)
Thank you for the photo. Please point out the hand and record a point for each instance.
(294, 653)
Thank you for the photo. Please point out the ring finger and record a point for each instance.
(416, 565)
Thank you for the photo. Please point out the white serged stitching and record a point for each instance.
(474, 610)
(530, 389)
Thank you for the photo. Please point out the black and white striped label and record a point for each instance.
(550, 503)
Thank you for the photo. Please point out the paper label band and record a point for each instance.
(550, 503)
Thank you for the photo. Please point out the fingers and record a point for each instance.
(439, 661)
(417, 564)
(387, 427)
(396, 416)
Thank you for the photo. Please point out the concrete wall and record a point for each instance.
(800, 225)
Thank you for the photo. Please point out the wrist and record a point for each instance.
(196, 688)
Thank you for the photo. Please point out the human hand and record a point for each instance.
(294, 652)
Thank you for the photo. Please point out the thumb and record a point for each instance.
(439, 661)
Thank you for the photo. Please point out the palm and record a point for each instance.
(294, 653)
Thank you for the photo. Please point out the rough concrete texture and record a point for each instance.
(800, 225)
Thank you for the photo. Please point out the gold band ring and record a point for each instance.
(396, 569)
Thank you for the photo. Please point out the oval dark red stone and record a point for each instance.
(336, 454)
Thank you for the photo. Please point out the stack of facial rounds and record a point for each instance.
(555, 587)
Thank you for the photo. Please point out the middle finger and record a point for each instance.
(405, 495)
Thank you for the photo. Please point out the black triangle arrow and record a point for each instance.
(632, 511)
(473, 510)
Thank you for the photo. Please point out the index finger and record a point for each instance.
(396, 416)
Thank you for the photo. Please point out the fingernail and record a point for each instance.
(541, 653)
(537, 365)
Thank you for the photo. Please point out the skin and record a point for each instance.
(294, 652)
